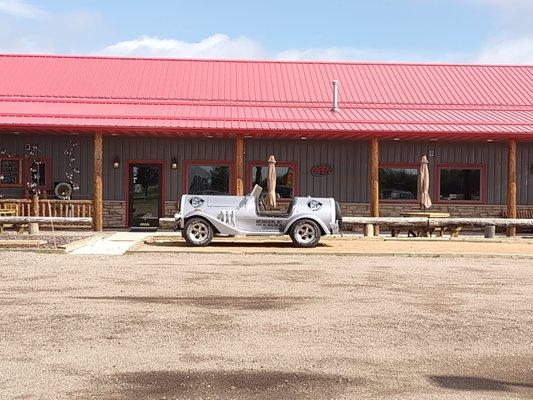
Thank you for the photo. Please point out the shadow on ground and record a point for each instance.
(472, 383)
(249, 385)
(216, 302)
(215, 243)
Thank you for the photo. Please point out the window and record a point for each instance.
(38, 173)
(460, 184)
(208, 179)
(285, 175)
(10, 172)
(398, 183)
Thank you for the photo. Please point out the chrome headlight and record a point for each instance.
(314, 205)
(196, 202)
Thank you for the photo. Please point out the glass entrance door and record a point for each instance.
(144, 195)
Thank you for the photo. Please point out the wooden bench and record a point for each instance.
(425, 231)
(429, 225)
(11, 211)
(439, 231)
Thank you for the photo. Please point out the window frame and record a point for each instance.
(47, 161)
(20, 174)
(290, 164)
(213, 163)
(401, 166)
(482, 183)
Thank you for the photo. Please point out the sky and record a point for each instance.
(451, 31)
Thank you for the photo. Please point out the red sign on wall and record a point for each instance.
(321, 170)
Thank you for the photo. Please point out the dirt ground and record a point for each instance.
(223, 326)
(349, 244)
(46, 240)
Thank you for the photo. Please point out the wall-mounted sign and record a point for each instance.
(321, 170)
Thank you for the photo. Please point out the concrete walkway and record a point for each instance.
(114, 245)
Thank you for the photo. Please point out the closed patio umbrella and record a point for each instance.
(423, 184)
(258, 175)
(271, 183)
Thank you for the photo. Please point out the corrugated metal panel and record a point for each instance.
(493, 156)
(54, 146)
(347, 183)
(525, 173)
(158, 148)
(264, 95)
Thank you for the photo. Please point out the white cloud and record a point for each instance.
(222, 46)
(215, 46)
(21, 9)
(356, 54)
(511, 51)
(327, 54)
(513, 41)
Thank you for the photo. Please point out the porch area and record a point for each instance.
(354, 172)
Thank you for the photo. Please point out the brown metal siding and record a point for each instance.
(525, 173)
(54, 146)
(492, 155)
(347, 183)
(153, 148)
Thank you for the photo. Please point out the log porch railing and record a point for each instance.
(50, 208)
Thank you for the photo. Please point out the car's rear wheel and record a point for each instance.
(305, 233)
(197, 232)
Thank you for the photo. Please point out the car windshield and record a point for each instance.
(256, 191)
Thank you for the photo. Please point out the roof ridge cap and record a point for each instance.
(262, 61)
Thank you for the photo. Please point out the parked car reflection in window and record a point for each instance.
(208, 179)
(398, 183)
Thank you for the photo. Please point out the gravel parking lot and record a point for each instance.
(213, 326)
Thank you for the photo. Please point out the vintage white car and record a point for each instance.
(306, 220)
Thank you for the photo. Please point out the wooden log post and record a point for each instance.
(239, 166)
(33, 227)
(374, 181)
(490, 231)
(97, 183)
(511, 185)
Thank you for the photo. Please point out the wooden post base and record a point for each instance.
(490, 231)
(33, 228)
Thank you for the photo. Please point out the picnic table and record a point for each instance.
(425, 231)
(11, 212)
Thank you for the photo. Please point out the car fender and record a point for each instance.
(310, 216)
(219, 225)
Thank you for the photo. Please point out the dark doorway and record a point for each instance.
(144, 195)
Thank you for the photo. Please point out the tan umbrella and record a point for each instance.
(423, 184)
(271, 183)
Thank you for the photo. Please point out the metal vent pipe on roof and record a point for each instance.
(335, 107)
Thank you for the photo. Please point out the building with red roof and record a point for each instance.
(132, 134)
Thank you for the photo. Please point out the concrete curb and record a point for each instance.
(69, 247)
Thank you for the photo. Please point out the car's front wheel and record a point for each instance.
(305, 233)
(197, 232)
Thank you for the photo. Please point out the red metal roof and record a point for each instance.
(263, 97)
